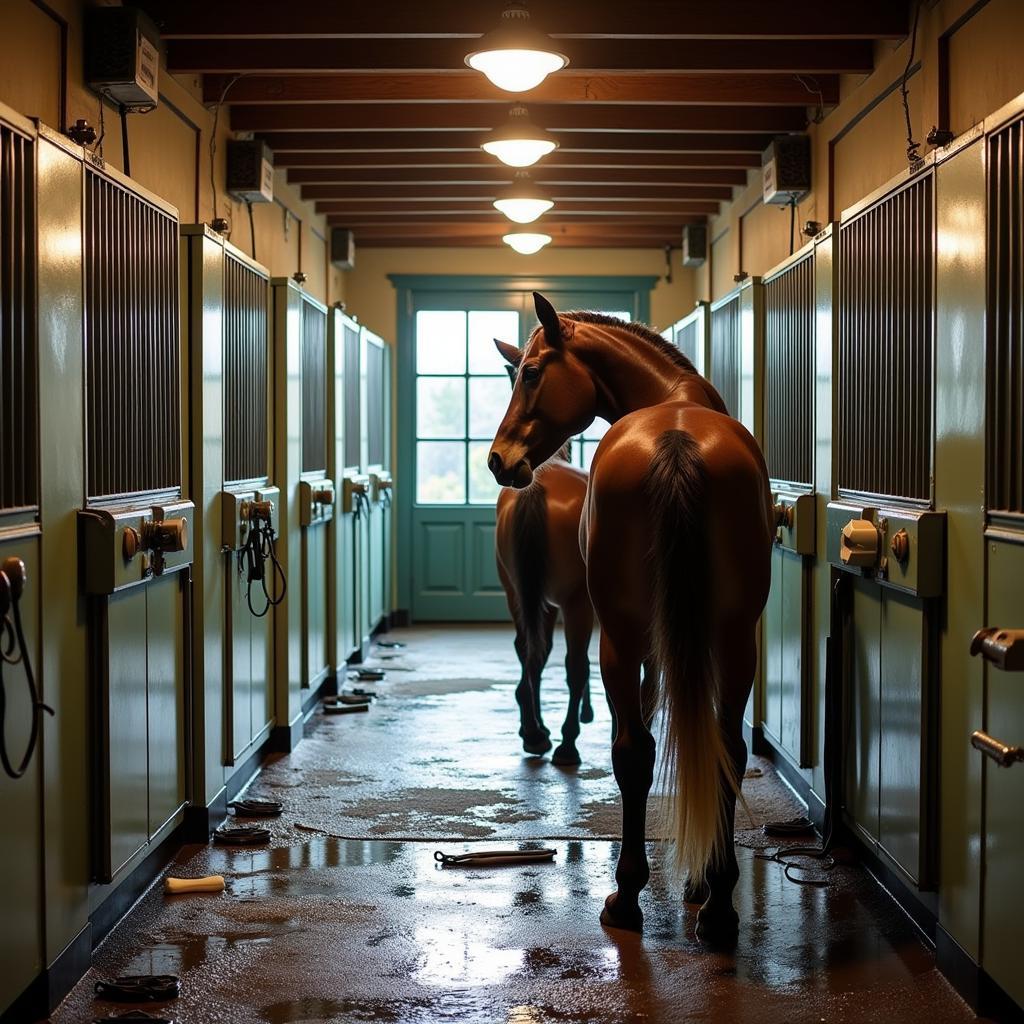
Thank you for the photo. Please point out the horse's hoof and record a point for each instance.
(696, 892)
(615, 915)
(537, 745)
(718, 928)
(586, 714)
(566, 756)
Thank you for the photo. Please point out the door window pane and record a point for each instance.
(441, 407)
(483, 488)
(440, 341)
(484, 327)
(488, 400)
(596, 430)
(440, 472)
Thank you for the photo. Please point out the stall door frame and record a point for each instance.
(483, 600)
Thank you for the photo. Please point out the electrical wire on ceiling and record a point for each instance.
(811, 84)
(913, 156)
(97, 148)
(213, 141)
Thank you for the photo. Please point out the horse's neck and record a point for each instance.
(631, 375)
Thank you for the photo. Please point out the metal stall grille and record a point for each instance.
(375, 405)
(133, 430)
(884, 367)
(687, 340)
(725, 353)
(245, 372)
(1006, 322)
(18, 408)
(314, 389)
(352, 410)
(789, 373)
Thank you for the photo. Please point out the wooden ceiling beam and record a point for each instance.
(471, 87)
(481, 117)
(385, 55)
(464, 229)
(497, 175)
(608, 191)
(476, 161)
(199, 19)
(457, 208)
(633, 145)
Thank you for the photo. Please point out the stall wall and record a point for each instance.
(861, 143)
(169, 147)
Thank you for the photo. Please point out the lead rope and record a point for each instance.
(252, 558)
(14, 651)
(832, 755)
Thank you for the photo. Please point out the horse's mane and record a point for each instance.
(638, 330)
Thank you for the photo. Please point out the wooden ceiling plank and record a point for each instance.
(470, 87)
(610, 191)
(498, 174)
(384, 56)
(482, 117)
(569, 142)
(475, 161)
(462, 19)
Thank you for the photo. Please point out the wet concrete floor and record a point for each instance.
(316, 928)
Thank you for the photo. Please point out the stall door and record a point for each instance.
(1003, 643)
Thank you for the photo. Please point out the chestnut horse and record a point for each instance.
(677, 535)
(542, 571)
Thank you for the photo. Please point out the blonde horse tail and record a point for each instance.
(695, 756)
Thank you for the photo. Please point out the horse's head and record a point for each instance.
(553, 398)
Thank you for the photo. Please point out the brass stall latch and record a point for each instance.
(158, 536)
(860, 544)
(1003, 648)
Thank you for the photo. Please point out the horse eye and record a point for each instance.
(531, 374)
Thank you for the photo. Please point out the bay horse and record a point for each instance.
(677, 536)
(541, 567)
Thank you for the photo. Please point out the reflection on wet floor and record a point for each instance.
(318, 928)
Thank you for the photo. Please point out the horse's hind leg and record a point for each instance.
(717, 921)
(578, 622)
(633, 763)
(535, 739)
(537, 668)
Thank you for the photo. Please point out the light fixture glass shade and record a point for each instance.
(526, 242)
(516, 70)
(523, 211)
(515, 56)
(519, 152)
(519, 142)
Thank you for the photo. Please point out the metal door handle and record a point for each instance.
(1003, 648)
(1000, 752)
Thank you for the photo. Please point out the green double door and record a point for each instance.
(453, 391)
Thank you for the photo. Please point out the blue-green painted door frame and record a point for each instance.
(453, 577)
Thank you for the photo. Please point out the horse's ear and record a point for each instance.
(510, 353)
(549, 320)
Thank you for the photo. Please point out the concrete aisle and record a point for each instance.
(319, 928)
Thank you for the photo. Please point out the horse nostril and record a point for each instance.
(494, 463)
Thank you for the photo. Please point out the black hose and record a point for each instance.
(252, 227)
(12, 638)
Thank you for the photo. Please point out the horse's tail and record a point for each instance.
(530, 566)
(696, 759)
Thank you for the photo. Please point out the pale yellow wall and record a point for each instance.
(986, 71)
(369, 294)
(170, 147)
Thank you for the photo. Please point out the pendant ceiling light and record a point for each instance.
(515, 56)
(526, 242)
(522, 201)
(519, 142)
